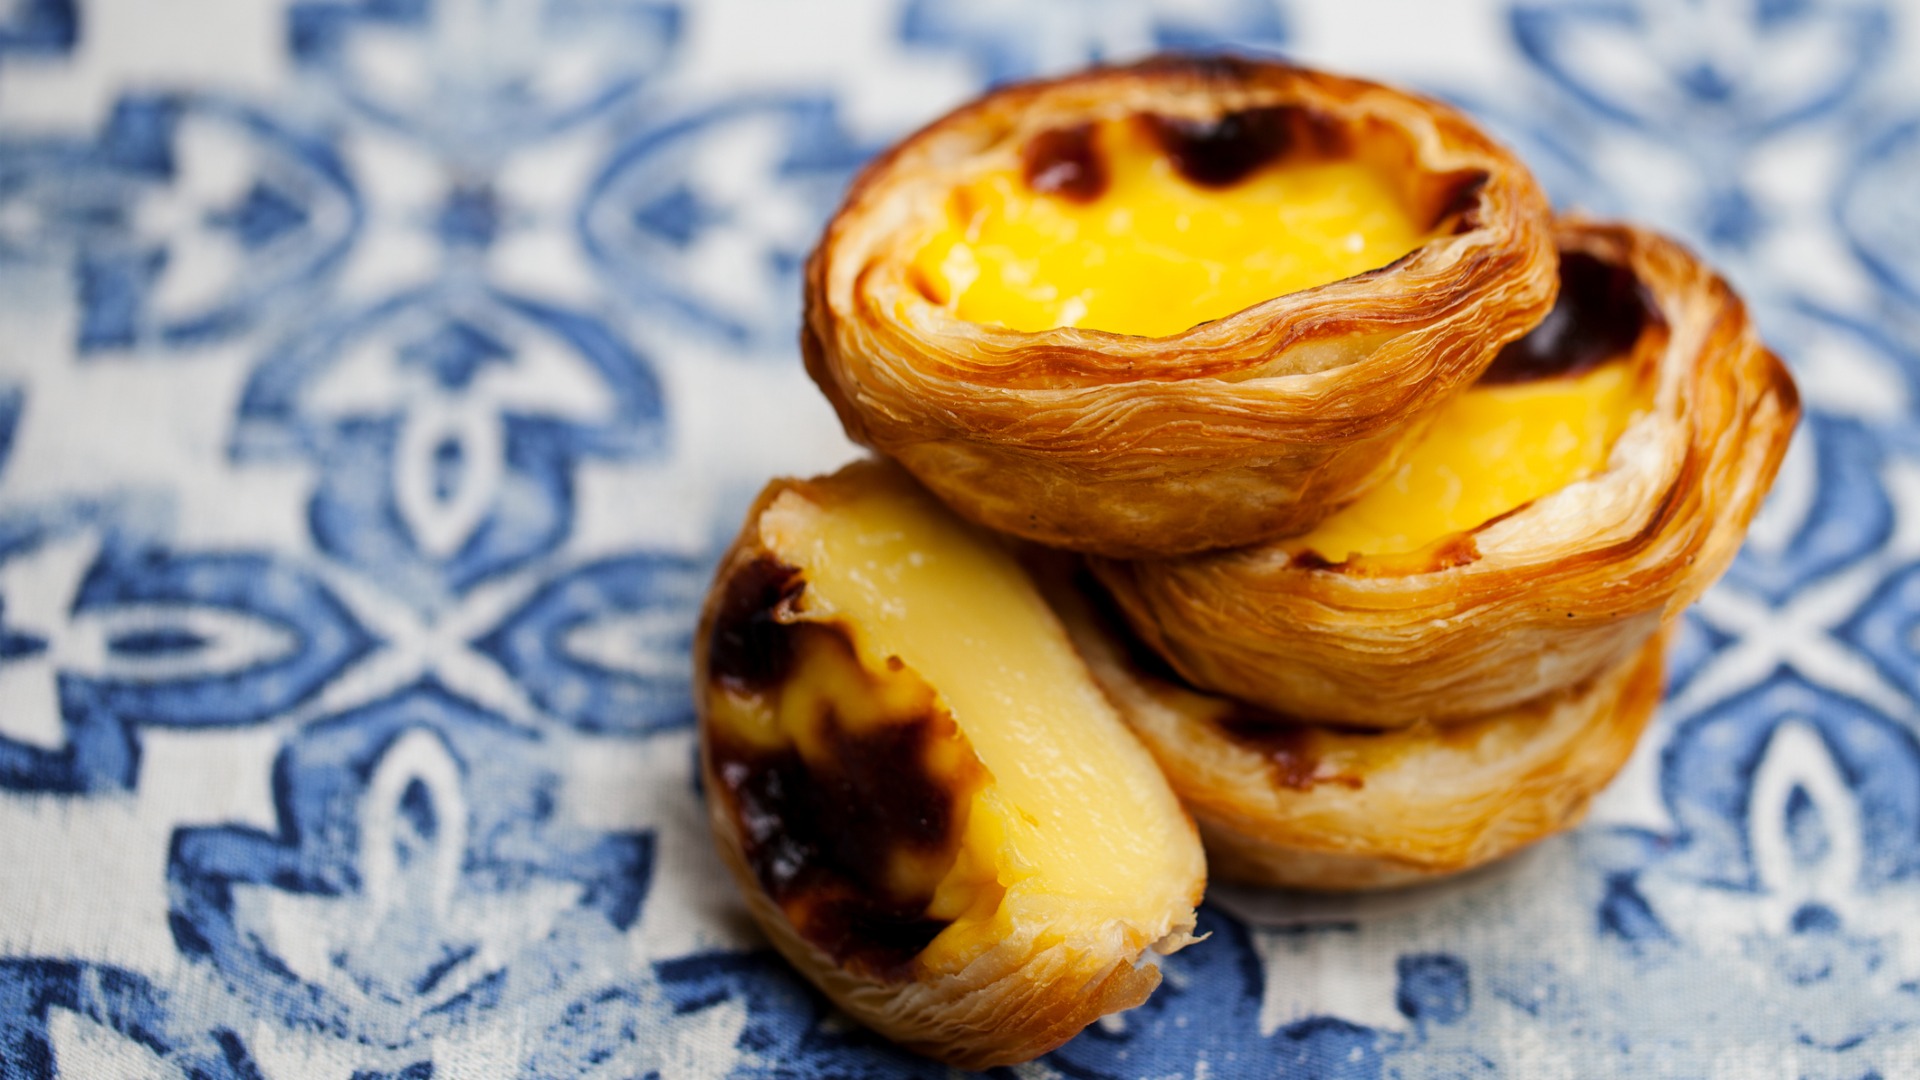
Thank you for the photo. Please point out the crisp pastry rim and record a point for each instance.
(1244, 428)
(1587, 571)
(1446, 270)
(1326, 834)
(1662, 442)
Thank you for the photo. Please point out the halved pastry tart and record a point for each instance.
(1596, 481)
(1188, 304)
(933, 810)
(1301, 806)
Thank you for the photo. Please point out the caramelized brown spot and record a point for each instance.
(823, 831)
(1225, 150)
(1461, 548)
(1291, 747)
(751, 649)
(1065, 162)
(1602, 311)
(1457, 550)
(864, 935)
(1462, 204)
(1309, 559)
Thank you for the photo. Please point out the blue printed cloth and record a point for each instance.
(379, 380)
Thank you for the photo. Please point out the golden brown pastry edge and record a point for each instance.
(1251, 426)
(1555, 592)
(1399, 811)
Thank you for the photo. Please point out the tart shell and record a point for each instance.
(1541, 598)
(1243, 428)
(1333, 810)
(1017, 999)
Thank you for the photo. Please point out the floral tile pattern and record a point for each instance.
(381, 378)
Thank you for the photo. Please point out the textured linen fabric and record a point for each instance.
(379, 380)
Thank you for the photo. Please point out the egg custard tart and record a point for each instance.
(1184, 305)
(932, 809)
(1598, 478)
(1300, 806)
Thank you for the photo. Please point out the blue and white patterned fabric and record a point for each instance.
(380, 378)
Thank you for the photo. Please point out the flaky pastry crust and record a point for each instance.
(1247, 427)
(1328, 809)
(1023, 996)
(1546, 596)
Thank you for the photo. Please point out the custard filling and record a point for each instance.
(1492, 449)
(1047, 807)
(1544, 415)
(1142, 226)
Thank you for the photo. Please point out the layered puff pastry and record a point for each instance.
(932, 809)
(1184, 305)
(1300, 806)
(1594, 484)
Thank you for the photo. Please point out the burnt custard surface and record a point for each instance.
(1546, 414)
(1149, 225)
(852, 786)
(913, 766)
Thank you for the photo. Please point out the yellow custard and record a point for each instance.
(1152, 253)
(1072, 818)
(1491, 450)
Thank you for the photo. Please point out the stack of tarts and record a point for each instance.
(1263, 467)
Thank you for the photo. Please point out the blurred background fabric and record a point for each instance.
(380, 378)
